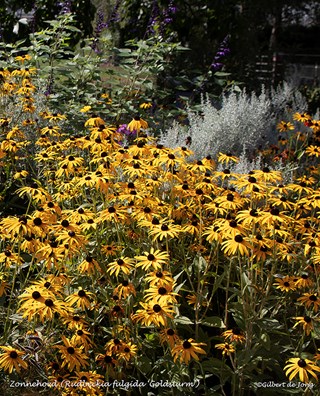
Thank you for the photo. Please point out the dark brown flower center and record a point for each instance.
(238, 238)
(157, 308)
(37, 221)
(302, 363)
(13, 355)
(162, 291)
(49, 302)
(36, 295)
(81, 293)
(65, 223)
(186, 345)
(70, 350)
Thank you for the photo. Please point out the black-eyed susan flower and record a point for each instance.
(122, 264)
(310, 300)
(9, 258)
(55, 117)
(72, 356)
(111, 249)
(89, 266)
(88, 380)
(114, 345)
(34, 294)
(285, 126)
(234, 335)
(74, 241)
(11, 359)
(285, 283)
(127, 351)
(153, 259)
(226, 158)
(302, 368)
(108, 362)
(273, 216)
(145, 105)
(226, 348)
(4, 285)
(82, 337)
(137, 123)
(164, 230)
(161, 294)
(187, 350)
(85, 109)
(44, 310)
(50, 283)
(237, 245)
(159, 278)
(114, 213)
(125, 289)
(23, 58)
(153, 314)
(74, 321)
(81, 299)
(304, 281)
(306, 322)
(170, 337)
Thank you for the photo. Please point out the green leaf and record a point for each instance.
(145, 365)
(213, 321)
(222, 74)
(183, 320)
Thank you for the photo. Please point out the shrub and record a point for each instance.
(242, 122)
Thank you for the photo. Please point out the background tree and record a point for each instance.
(18, 19)
(253, 27)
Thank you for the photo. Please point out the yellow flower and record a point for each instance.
(154, 259)
(285, 283)
(226, 158)
(187, 350)
(236, 245)
(161, 294)
(159, 278)
(306, 322)
(125, 289)
(152, 313)
(285, 126)
(234, 334)
(123, 264)
(11, 359)
(145, 105)
(23, 58)
(127, 351)
(80, 299)
(85, 109)
(226, 348)
(302, 367)
(164, 230)
(170, 336)
(73, 357)
(137, 123)
(310, 299)
(313, 150)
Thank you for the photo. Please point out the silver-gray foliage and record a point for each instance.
(242, 123)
